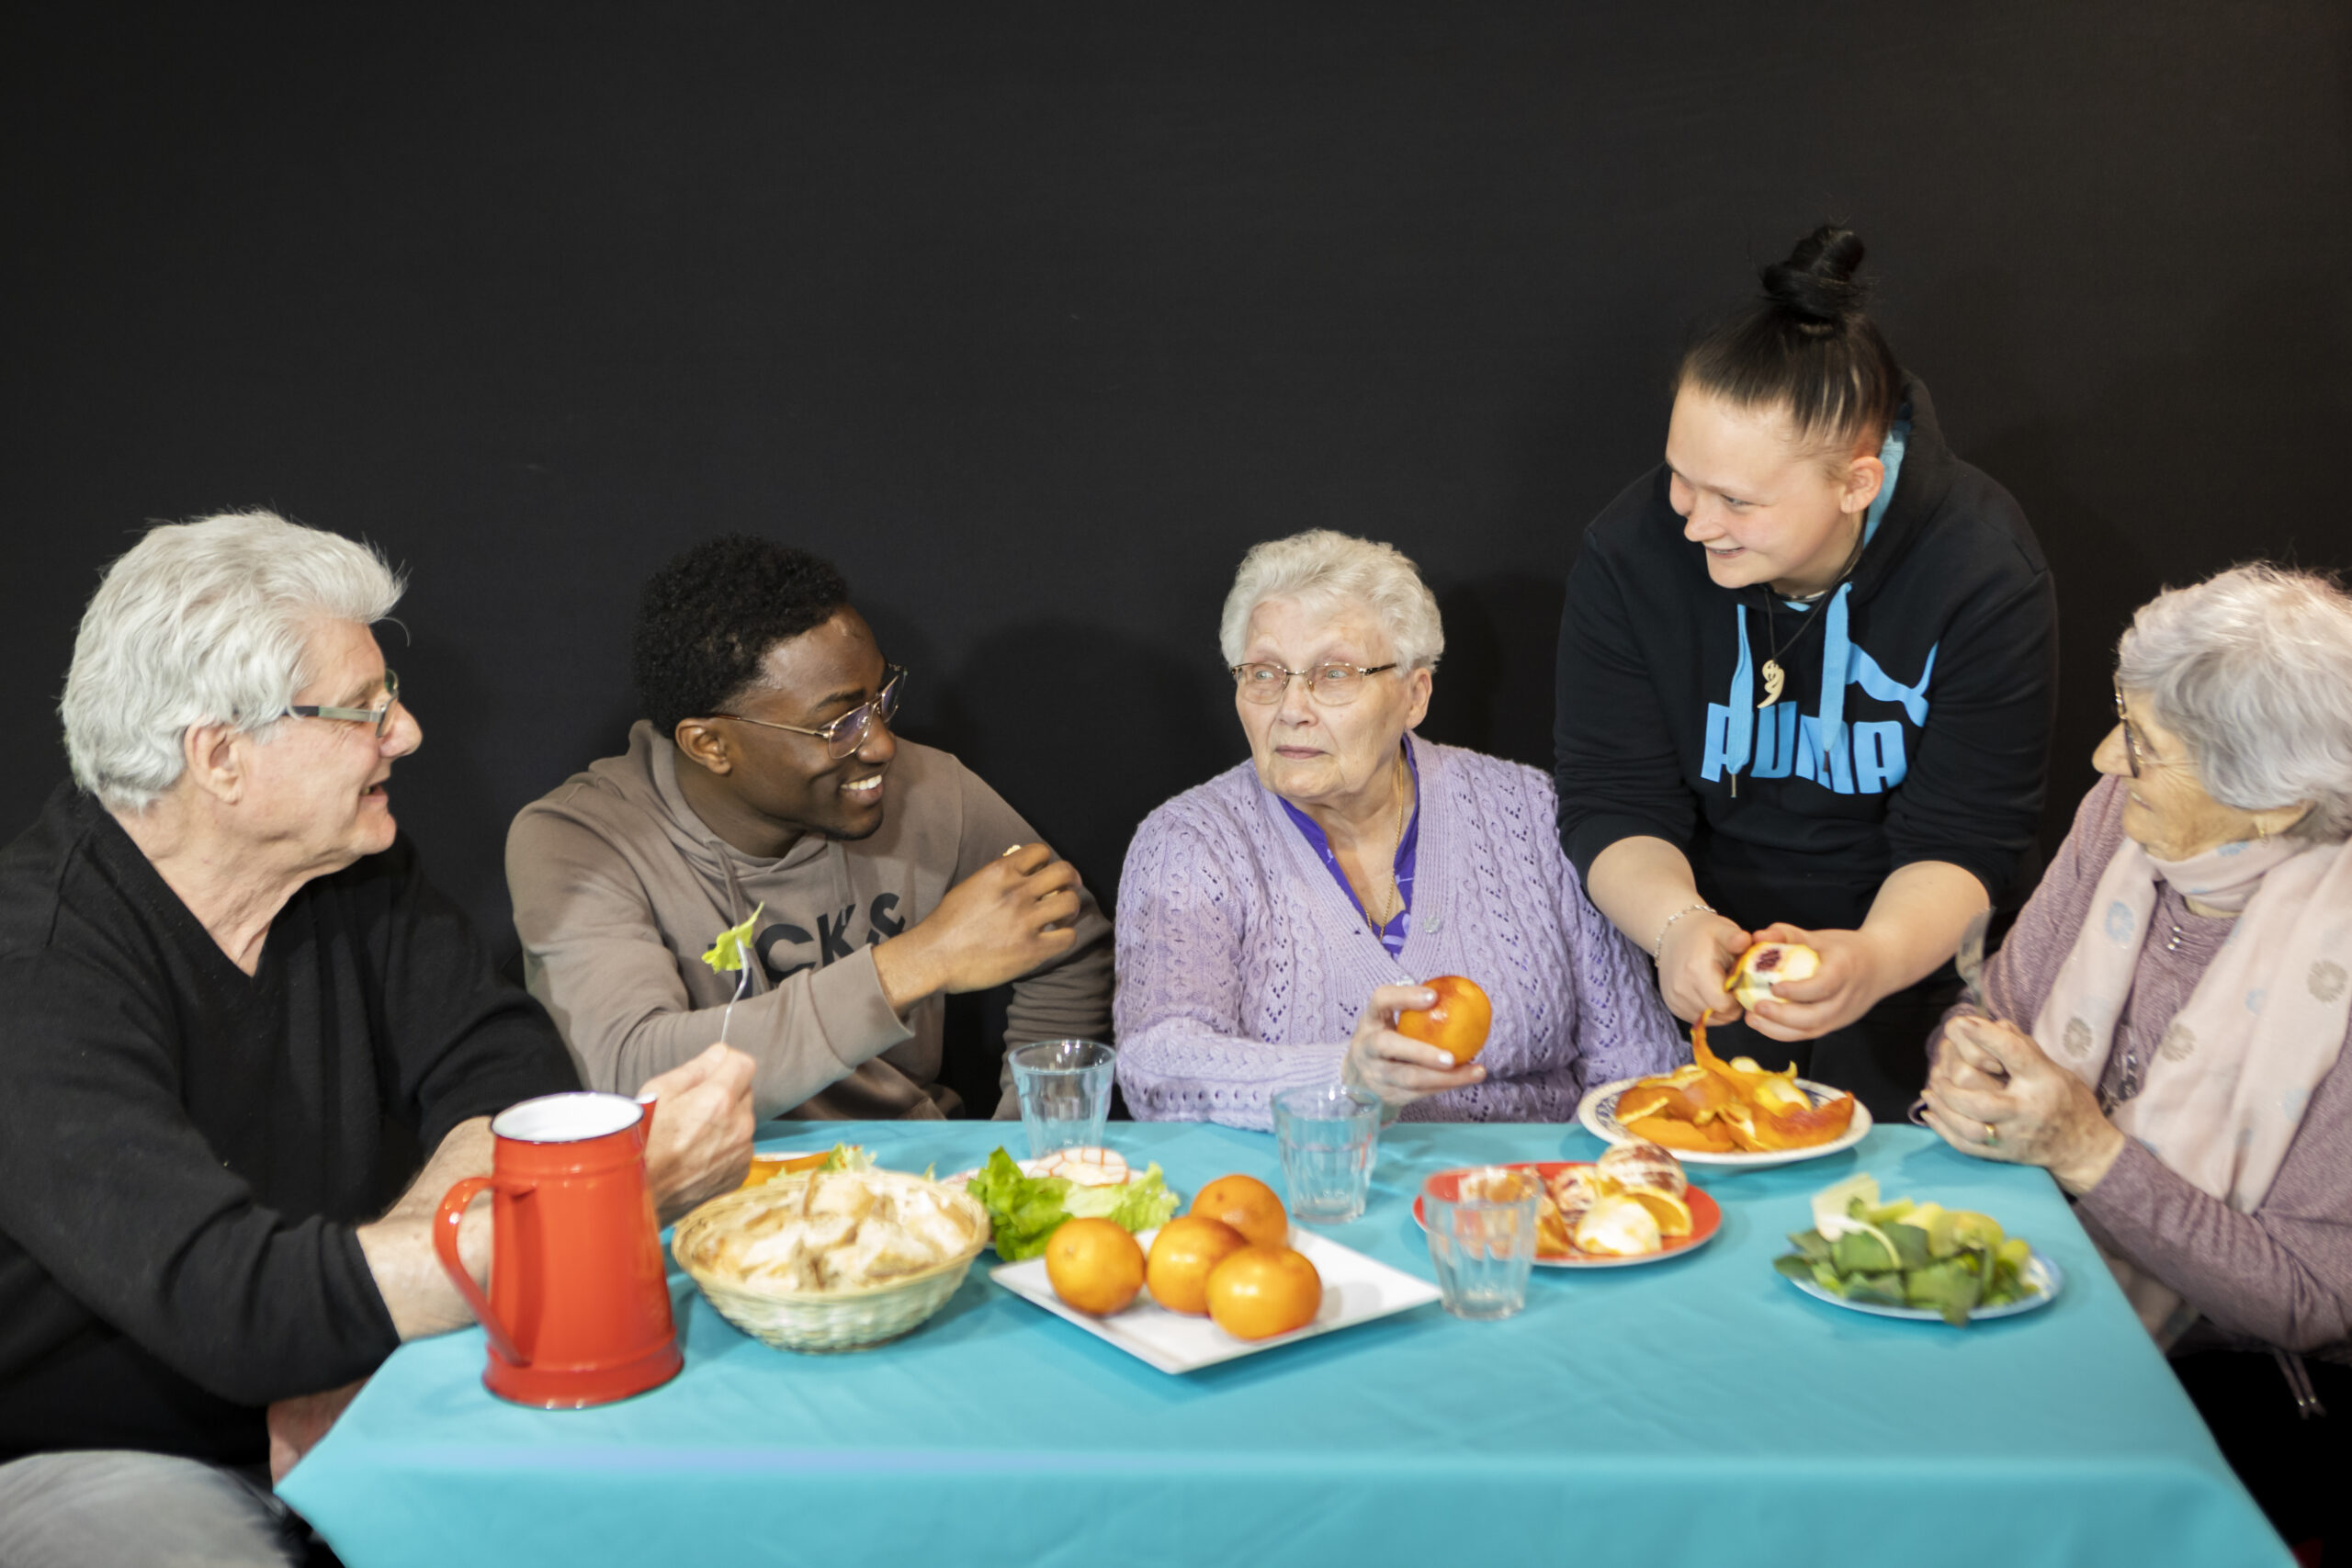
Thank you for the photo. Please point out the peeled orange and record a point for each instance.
(1094, 1265)
(1766, 963)
(1260, 1292)
(1182, 1254)
(1643, 1168)
(1618, 1227)
(1248, 1205)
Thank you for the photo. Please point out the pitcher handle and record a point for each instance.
(446, 1222)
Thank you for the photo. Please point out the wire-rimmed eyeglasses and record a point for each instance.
(847, 733)
(1333, 686)
(2134, 756)
(378, 716)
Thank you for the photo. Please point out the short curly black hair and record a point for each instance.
(710, 615)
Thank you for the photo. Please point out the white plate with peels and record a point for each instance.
(1356, 1288)
(1597, 1112)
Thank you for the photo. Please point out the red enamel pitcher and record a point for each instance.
(578, 1308)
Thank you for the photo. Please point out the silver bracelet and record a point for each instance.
(1659, 945)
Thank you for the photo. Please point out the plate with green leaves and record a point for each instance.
(1028, 1199)
(1920, 1261)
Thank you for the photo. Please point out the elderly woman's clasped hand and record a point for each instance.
(1401, 1070)
(1994, 1094)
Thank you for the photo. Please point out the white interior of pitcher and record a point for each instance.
(567, 1117)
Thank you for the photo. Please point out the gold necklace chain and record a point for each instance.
(1774, 676)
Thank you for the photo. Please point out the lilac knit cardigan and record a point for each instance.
(1242, 965)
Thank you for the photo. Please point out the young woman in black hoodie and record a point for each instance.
(1806, 676)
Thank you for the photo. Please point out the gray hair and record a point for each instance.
(1325, 569)
(2253, 669)
(204, 623)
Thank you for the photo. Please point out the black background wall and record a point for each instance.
(1035, 317)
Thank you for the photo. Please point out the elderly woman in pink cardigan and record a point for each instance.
(2170, 1014)
(1274, 921)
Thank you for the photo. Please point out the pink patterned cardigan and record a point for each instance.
(1243, 965)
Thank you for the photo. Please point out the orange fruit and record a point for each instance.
(1183, 1252)
(1618, 1227)
(1672, 1214)
(1248, 1205)
(1260, 1292)
(1765, 964)
(1643, 1168)
(767, 1167)
(1094, 1265)
(1459, 1021)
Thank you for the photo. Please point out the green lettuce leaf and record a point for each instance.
(1145, 1203)
(1023, 1210)
(729, 952)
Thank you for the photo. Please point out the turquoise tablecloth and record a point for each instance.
(1698, 1411)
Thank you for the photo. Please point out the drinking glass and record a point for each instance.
(1328, 1136)
(1482, 1246)
(1065, 1088)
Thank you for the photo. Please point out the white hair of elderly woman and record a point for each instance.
(1323, 569)
(2253, 669)
(204, 623)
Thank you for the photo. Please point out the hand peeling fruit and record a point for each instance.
(1765, 965)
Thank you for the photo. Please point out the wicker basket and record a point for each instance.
(823, 1320)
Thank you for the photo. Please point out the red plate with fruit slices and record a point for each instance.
(1706, 1217)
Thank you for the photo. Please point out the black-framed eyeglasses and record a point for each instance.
(378, 716)
(1333, 686)
(847, 733)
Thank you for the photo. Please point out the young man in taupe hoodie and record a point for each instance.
(765, 776)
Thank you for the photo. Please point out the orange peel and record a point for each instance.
(1712, 1106)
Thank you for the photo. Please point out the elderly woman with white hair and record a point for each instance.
(1274, 921)
(247, 1046)
(2168, 1020)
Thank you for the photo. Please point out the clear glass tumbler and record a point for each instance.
(1482, 1246)
(1328, 1137)
(1065, 1090)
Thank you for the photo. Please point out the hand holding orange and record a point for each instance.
(1459, 1021)
(1766, 965)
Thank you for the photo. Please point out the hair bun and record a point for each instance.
(1817, 285)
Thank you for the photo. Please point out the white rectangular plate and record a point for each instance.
(1356, 1288)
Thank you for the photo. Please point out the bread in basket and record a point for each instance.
(831, 1260)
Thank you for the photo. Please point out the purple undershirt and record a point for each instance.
(1408, 848)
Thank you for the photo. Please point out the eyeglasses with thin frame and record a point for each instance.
(847, 733)
(378, 716)
(2133, 756)
(1333, 686)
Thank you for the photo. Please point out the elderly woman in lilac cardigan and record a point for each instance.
(1274, 921)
